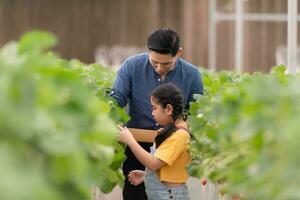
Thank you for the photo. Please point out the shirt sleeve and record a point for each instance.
(197, 86)
(172, 147)
(122, 86)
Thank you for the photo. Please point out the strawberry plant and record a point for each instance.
(57, 132)
(246, 134)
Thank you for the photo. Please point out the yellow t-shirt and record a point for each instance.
(175, 152)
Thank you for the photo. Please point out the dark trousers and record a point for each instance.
(131, 192)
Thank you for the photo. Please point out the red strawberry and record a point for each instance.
(204, 181)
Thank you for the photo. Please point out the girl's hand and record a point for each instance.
(125, 136)
(136, 177)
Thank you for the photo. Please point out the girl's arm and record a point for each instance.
(148, 160)
(136, 177)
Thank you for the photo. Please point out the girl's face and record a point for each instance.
(162, 116)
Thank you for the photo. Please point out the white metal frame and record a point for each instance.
(239, 17)
(292, 36)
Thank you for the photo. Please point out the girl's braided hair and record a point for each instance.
(169, 94)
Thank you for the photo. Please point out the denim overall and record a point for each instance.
(156, 190)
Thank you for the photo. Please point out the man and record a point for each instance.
(138, 76)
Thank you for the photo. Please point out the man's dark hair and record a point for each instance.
(164, 41)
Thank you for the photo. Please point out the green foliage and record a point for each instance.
(246, 131)
(58, 128)
(57, 137)
(100, 80)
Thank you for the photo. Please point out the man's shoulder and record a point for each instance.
(187, 66)
(137, 58)
(132, 62)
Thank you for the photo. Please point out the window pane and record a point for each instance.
(226, 6)
(266, 6)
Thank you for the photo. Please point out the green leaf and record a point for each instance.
(36, 41)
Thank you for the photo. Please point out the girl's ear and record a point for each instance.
(169, 109)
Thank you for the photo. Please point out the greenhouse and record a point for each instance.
(160, 99)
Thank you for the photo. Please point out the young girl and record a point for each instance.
(165, 175)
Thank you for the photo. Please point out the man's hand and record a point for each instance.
(159, 130)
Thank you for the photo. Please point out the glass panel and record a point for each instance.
(226, 6)
(264, 45)
(265, 6)
(255, 6)
(225, 46)
(262, 41)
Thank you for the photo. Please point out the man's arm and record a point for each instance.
(196, 88)
(122, 85)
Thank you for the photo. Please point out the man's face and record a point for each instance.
(162, 63)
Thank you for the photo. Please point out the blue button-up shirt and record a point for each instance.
(136, 79)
